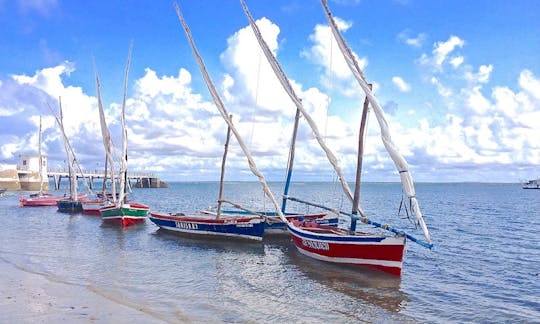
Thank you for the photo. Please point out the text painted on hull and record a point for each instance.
(189, 226)
(315, 245)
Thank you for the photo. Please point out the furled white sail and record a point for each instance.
(107, 140)
(40, 160)
(72, 176)
(225, 115)
(298, 102)
(69, 148)
(123, 164)
(399, 161)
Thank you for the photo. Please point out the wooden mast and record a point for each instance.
(361, 135)
(224, 114)
(397, 158)
(104, 186)
(107, 142)
(290, 162)
(40, 161)
(72, 176)
(220, 196)
(124, 180)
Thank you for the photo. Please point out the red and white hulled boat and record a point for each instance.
(337, 245)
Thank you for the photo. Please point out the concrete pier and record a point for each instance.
(141, 180)
(9, 179)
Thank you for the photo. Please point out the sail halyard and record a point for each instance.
(397, 158)
(298, 102)
(221, 108)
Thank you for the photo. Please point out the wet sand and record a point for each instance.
(27, 297)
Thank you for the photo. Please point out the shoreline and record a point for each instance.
(28, 297)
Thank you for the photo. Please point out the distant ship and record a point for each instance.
(531, 184)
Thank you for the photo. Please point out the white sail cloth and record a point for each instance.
(225, 115)
(297, 101)
(40, 160)
(399, 161)
(123, 159)
(107, 140)
(68, 147)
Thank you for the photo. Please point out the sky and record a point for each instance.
(459, 82)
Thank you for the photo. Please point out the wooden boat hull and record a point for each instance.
(337, 246)
(274, 225)
(126, 215)
(36, 200)
(277, 226)
(92, 207)
(244, 227)
(69, 206)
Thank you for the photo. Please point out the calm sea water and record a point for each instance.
(485, 266)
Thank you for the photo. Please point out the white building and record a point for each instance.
(28, 170)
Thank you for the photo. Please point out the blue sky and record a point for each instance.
(459, 82)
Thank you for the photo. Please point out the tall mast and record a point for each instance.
(294, 97)
(221, 108)
(104, 186)
(40, 160)
(220, 196)
(397, 158)
(361, 136)
(290, 163)
(72, 176)
(123, 182)
(107, 142)
(69, 148)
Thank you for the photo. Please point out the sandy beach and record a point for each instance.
(27, 297)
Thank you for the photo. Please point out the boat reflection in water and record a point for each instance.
(210, 243)
(371, 286)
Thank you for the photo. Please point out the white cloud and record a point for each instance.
(251, 77)
(442, 53)
(457, 61)
(325, 53)
(487, 127)
(174, 130)
(443, 49)
(476, 101)
(530, 84)
(48, 79)
(441, 89)
(46, 89)
(401, 84)
(416, 41)
(484, 72)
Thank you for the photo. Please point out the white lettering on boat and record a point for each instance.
(190, 226)
(315, 245)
